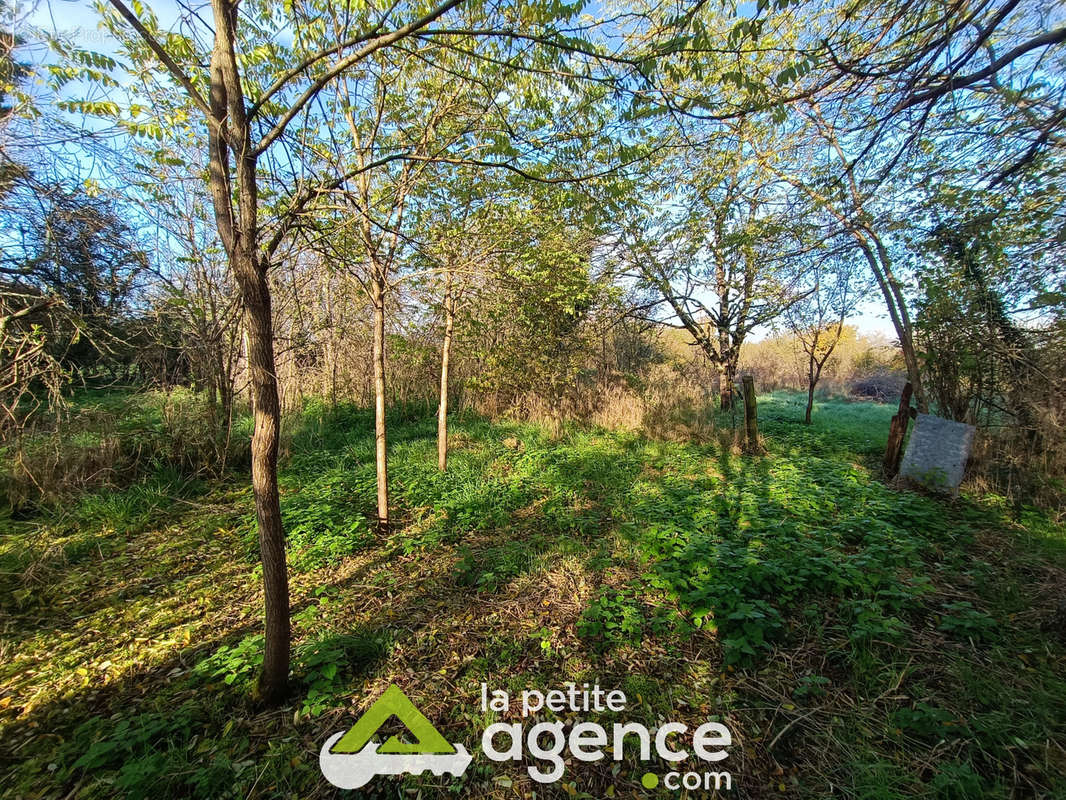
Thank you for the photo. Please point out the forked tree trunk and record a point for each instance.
(238, 229)
(901, 317)
(725, 372)
(442, 410)
(897, 430)
(813, 373)
(377, 297)
(881, 266)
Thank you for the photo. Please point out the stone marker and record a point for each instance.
(937, 453)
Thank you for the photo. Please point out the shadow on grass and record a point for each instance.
(754, 547)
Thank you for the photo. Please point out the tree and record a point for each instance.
(817, 319)
(36, 328)
(465, 233)
(722, 257)
(77, 248)
(259, 100)
(978, 357)
(421, 118)
(902, 68)
(858, 207)
(239, 133)
(27, 335)
(879, 83)
(535, 315)
(468, 223)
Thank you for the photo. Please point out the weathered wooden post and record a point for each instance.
(897, 430)
(751, 421)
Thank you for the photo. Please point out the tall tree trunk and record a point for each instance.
(905, 329)
(725, 385)
(225, 393)
(377, 297)
(229, 134)
(273, 682)
(442, 410)
(722, 325)
(814, 372)
(210, 385)
(727, 377)
(229, 128)
(333, 375)
(897, 312)
(880, 265)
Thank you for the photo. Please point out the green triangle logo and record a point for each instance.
(394, 703)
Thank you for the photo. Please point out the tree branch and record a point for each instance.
(163, 56)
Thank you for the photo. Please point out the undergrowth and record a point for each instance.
(860, 641)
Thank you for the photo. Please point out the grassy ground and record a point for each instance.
(858, 641)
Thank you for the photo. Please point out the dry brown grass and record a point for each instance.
(1006, 462)
(114, 443)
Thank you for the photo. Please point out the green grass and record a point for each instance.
(859, 641)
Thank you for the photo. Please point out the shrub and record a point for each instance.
(111, 441)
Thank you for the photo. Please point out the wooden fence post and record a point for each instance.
(897, 430)
(751, 421)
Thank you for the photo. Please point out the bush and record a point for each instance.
(112, 441)
(882, 387)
